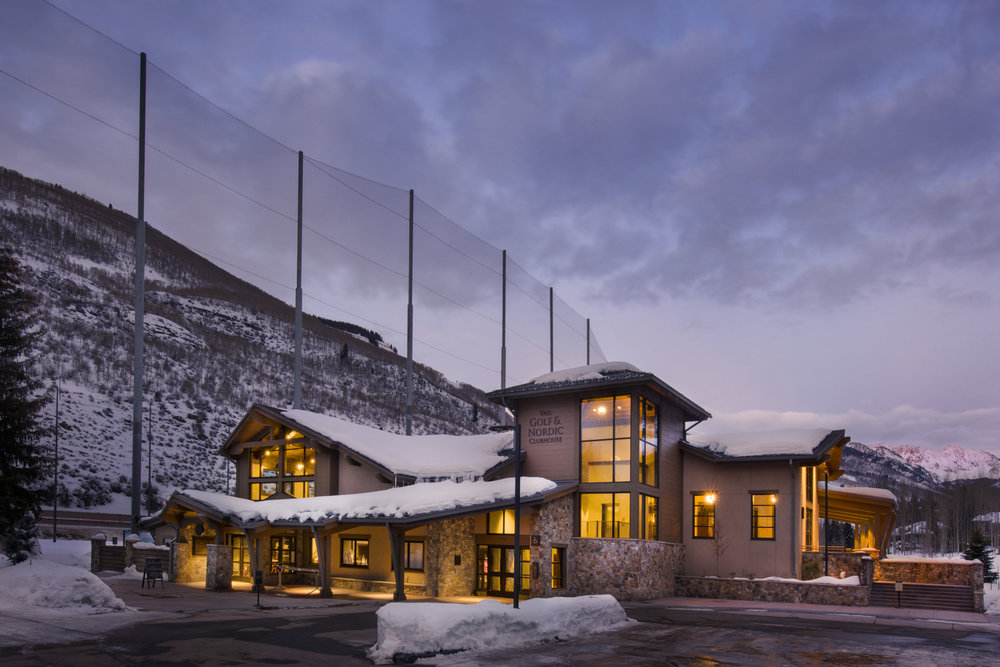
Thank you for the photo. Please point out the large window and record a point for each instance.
(704, 515)
(649, 516)
(604, 515)
(649, 442)
(605, 439)
(354, 552)
(287, 468)
(763, 504)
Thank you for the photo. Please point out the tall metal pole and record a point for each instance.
(826, 525)
(503, 334)
(149, 460)
(55, 485)
(409, 333)
(517, 512)
(140, 277)
(552, 332)
(297, 396)
(588, 341)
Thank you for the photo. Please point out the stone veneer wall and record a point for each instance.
(772, 591)
(847, 562)
(446, 541)
(626, 569)
(368, 585)
(928, 571)
(185, 566)
(554, 526)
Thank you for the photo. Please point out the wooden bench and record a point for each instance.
(152, 572)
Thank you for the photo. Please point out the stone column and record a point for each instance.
(867, 571)
(219, 568)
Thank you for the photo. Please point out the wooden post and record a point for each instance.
(396, 543)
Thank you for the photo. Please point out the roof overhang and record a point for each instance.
(826, 454)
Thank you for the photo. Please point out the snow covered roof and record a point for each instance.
(422, 457)
(862, 492)
(607, 374)
(784, 443)
(405, 504)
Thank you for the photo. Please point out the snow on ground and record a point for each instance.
(426, 629)
(57, 582)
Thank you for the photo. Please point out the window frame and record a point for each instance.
(618, 443)
(506, 519)
(710, 525)
(645, 444)
(557, 562)
(356, 539)
(644, 499)
(281, 480)
(407, 555)
(616, 526)
(757, 526)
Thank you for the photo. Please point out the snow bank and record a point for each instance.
(42, 583)
(425, 629)
(580, 373)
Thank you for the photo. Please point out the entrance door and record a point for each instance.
(496, 569)
(241, 555)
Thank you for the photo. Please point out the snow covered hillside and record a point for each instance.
(213, 346)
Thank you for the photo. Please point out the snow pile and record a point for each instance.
(581, 373)
(422, 456)
(830, 581)
(425, 629)
(42, 583)
(401, 502)
(794, 442)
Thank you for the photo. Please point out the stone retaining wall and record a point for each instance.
(772, 591)
(848, 563)
(931, 571)
(376, 586)
(626, 569)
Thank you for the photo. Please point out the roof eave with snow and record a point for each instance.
(716, 450)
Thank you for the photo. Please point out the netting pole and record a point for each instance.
(588, 341)
(409, 333)
(297, 398)
(140, 278)
(503, 335)
(552, 333)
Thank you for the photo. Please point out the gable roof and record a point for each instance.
(607, 375)
(414, 457)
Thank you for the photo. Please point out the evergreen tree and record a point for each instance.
(20, 428)
(978, 549)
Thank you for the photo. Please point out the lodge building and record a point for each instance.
(618, 495)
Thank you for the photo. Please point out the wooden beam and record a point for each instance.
(396, 543)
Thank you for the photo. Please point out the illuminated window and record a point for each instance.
(282, 550)
(354, 552)
(649, 516)
(704, 515)
(763, 506)
(604, 515)
(501, 522)
(286, 467)
(649, 442)
(606, 439)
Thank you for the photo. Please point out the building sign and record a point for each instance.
(545, 429)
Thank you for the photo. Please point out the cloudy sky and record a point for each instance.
(788, 211)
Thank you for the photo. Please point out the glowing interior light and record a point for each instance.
(601, 410)
(292, 434)
(774, 499)
(710, 498)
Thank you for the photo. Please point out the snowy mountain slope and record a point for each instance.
(213, 346)
(951, 463)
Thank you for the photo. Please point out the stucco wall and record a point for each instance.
(626, 569)
(732, 553)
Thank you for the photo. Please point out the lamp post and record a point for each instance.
(826, 524)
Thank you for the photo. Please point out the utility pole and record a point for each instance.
(140, 276)
(297, 397)
(503, 334)
(409, 332)
(55, 484)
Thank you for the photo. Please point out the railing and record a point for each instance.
(289, 568)
(606, 528)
